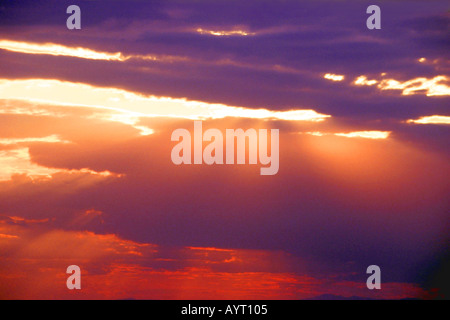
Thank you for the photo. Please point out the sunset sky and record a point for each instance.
(86, 176)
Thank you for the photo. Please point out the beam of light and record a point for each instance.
(431, 120)
(334, 77)
(225, 33)
(59, 50)
(355, 134)
(431, 87)
(132, 105)
(363, 81)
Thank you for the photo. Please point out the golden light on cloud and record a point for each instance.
(334, 77)
(436, 86)
(59, 50)
(52, 138)
(79, 52)
(363, 81)
(355, 134)
(128, 106)
(436, 119)
(316, 133)
(422, 60)
(225, 33)
(365, 134)
(431, 87)
(18, 161)
(159, 58)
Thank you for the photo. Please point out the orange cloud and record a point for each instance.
(18, 161)
(123, 277)
(34, 263)
(49, 139)
(8, 236)
(24, 221)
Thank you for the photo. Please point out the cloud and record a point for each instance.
(361, 186)
(135, 104)
(21, 221)
(436, 119)
(54, 49)
(372, 134)
(17, 162)
(365, 134)
(225, 33)
(334, 77)
(436, 86)
(431, 87)
(362, 80)
(116, 268)
(50, 139)
(15, 159)
(8, 236)
(58, 50)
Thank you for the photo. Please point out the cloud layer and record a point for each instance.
(85, 172)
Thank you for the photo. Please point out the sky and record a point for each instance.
(86, 176)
